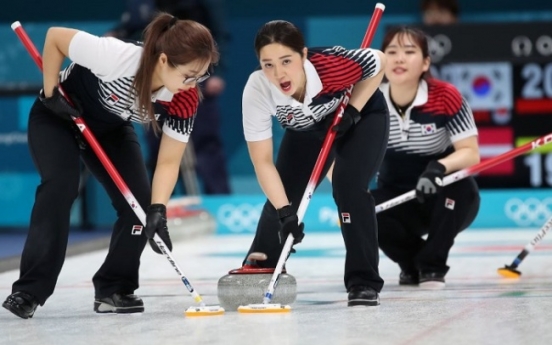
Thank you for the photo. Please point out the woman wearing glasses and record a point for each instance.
(111, 83)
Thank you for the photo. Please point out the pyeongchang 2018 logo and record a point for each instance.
(528, 212)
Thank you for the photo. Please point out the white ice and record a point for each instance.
(476, 307)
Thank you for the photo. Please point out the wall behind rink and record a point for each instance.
(499, 209)
(18, 178)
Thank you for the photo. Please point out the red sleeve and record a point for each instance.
(183, 104)
(443, 98)
(339, 68)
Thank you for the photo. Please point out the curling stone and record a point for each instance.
(247, 285)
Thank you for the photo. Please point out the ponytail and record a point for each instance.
(150, 56)
(183, 41)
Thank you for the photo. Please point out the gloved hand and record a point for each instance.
(60, 106)
(289, 224)
(156, 222)
(62, 109)
(430, 181)
(350, 117)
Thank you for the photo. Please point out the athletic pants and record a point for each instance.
(358, 155)
(56, 156)
(441, 218)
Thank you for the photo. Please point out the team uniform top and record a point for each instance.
(329, 72)
(101, 78)
(438, 117)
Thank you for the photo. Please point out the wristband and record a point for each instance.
(285, 211)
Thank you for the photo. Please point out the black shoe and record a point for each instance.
(409, 278)
(363, 295)
(119, 303)
(432, 280)
(21, 304)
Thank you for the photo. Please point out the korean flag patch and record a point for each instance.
(428, 128)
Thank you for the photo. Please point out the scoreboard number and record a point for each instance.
(535, 162)
(538, 81)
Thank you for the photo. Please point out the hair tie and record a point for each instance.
(172, 22)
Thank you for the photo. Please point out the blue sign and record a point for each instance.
(499, 209)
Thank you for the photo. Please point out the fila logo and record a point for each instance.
(112, 99)
(428, 128)
(345, 217)
(449, 203)
(137, 230)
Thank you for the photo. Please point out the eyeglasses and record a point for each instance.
(191, 80)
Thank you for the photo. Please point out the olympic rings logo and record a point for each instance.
(531, 211)
(240, 218)
(439, 46)
(523, 46)
(328, 216)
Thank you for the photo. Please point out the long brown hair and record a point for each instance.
(416, 35)
(183, 41)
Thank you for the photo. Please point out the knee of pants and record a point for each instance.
(386, 230)
(473, 210)
(344, 190)
(66, 190)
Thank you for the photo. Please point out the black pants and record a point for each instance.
(211, 162)
(441, 218)
(358, 156)
(56, 156)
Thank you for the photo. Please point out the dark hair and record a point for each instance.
(450, 5)
(183, 41)
(282, 32)
(418, 36)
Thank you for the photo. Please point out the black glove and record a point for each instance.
(289, 224)
(60, 106)
(156, 222)
(430, 181)
(350, 117)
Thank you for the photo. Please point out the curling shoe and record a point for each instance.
(21, 304)
(432, 280)
(409, 278)
(363, 295)
(119, 303)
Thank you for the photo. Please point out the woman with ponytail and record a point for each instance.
(111, 84)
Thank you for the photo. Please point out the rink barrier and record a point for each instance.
(515, 209)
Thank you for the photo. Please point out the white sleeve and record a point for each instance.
(257, 109)
(107, 57)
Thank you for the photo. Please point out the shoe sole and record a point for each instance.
(16, 312)
(433, 285)
(363, 302)
(100, 307)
